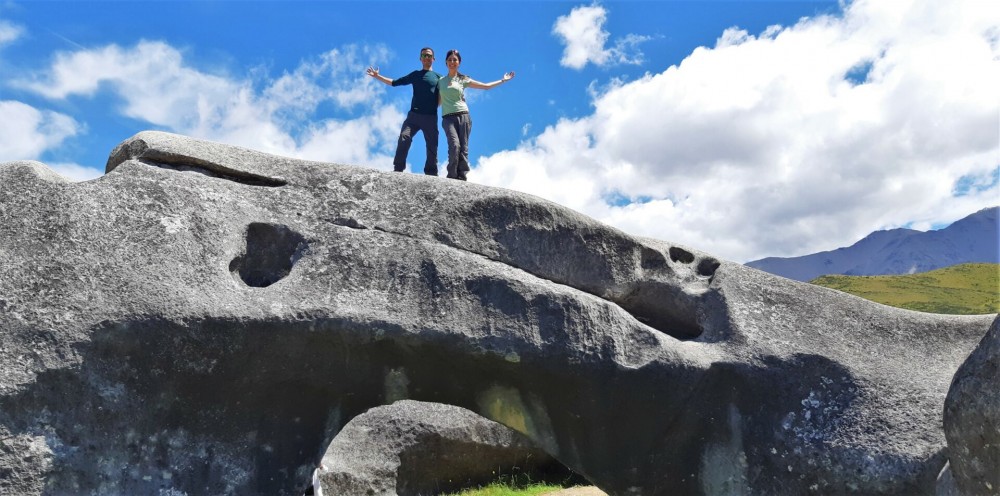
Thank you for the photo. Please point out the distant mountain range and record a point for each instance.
(975, 238)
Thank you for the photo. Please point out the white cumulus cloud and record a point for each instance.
(156, 85)
(75, 172)
(26, 132)
(798, 139)
(582, 31)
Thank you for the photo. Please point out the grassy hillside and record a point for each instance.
(959, 289)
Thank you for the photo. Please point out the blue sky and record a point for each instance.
(744, 129)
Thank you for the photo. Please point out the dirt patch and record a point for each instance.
(577, 491)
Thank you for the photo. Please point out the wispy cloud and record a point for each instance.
(9, 32)
(582, 31)
(773, 144)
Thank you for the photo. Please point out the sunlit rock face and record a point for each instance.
(204, 319)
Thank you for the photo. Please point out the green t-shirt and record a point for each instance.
(452, 92)
(425, 90)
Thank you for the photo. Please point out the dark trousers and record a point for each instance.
(457, 128)
(418, 122)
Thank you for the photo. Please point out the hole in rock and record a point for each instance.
(665, 309)
(707, 267)
(652, 259)
(271, 251)
(681, 255)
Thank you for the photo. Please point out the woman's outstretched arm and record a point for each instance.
(487, 86)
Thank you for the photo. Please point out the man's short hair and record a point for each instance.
(427, 48)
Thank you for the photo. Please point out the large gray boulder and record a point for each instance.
(972, 419)
(413, 448)
(204, 319)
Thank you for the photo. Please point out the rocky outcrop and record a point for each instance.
(972, 419)
(204, 319)
(412, 448)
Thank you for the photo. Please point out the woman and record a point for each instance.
(455, 113)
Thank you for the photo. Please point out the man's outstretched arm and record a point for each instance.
(373, 72)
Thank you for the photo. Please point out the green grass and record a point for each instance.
(966, 289)
(515, 485)
(502, 489)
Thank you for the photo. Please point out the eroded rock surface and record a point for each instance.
(204, 319)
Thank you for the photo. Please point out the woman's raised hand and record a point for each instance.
(372, 71)
(508, 76)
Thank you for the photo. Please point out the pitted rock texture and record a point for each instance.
(412, 448)
(204, 319)
(972, 419)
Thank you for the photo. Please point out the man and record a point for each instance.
(423, 111)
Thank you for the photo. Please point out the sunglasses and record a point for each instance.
(426, 56)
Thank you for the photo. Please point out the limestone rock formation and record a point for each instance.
(972, 419)
(413, 448)
(204, 319)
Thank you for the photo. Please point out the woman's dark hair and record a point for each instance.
(457, 55)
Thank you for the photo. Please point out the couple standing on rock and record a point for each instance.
(431, 89)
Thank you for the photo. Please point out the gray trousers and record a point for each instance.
(457, 128)
(418, 122)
